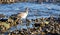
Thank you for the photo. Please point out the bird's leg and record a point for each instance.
(20, 21)
(26, 19)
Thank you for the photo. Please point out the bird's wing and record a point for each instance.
(21, 14)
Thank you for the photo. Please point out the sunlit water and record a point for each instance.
(35, 11)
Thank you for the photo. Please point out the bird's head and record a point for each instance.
(27, 9)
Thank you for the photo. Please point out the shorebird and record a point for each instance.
(23, 15)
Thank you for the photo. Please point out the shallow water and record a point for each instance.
(44, 10)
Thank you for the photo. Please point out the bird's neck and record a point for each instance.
(27, 11)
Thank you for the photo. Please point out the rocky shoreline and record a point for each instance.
(41, 26)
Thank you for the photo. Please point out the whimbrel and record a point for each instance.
(23, 15)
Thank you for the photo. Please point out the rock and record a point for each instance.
(2, 16)
(3, 20)
(28, 21)
(34, 32)
(42, 19)
(33, 20)
(36, 20)
(37, 25)
(19, 22)
(43, 33)
(10, 20)
(7, 25)
(46, 22)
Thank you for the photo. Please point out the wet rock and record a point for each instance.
(42, 33)
(47, 30)
(36, 20)
(2, 16)
(13, 17)
(3, 29)
(54, 34)
(34, 32)
(58, 19)
(37, 25)
(33, 20)
(19, 22)
(5, 24)
(52, 18)
(28, 21)
(28, 24)
(42, 24)
(16, 31)
(3, 20)
(46, 22)
(40, 28)
(10, 20)
(24, 29)
(0, 28)
(42, 19)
